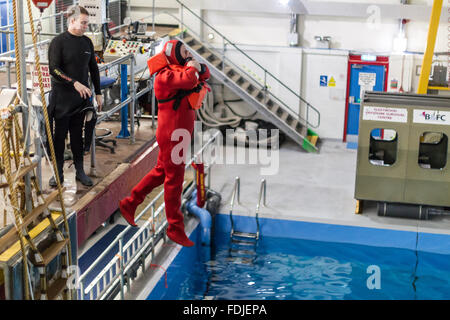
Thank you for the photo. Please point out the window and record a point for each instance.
(383, 147)
(433, 150)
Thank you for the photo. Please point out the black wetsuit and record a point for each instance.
(71, 58)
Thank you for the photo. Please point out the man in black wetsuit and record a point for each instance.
(71, 57)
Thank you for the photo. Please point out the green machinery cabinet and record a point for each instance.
(403, 154)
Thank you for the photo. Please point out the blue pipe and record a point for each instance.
(124, 133)
(203, 215)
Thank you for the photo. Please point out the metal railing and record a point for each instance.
(267, 74)
(236, 194)
(134, 251)
(262, 194)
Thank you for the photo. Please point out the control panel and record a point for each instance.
(120, 48)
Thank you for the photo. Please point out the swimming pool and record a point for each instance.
(297, 269)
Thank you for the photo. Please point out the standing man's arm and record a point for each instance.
(95, 77)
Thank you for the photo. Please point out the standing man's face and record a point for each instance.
(80, 25)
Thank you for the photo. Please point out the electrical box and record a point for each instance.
(403, 150)
(96, 9)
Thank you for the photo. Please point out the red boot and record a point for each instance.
(127, 210)
(177, 235)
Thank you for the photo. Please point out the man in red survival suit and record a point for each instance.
(177, 88)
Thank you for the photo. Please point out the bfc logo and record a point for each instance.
(434, 116)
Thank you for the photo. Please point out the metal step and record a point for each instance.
(56, 288)
(242, 252)
(51, 252)
(241, 260)
(244, 235)
(197, 47)
(243, 242)
(40, 209)
(23, 171)
(187, 40)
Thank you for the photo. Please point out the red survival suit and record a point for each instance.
(168, 82)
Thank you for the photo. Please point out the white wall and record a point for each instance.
(262, 27)
(329, 100)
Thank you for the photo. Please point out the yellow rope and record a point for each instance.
(47, 126)
(6, 153)
(6, 161)
(17, 52)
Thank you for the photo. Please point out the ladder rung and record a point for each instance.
(51, 252)
(243, 242)
(39, 209)
(244, 234)
(23, 171)
(243, 252)
(56, 288)
(240, 260)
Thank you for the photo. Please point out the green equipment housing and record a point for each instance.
(403, 154)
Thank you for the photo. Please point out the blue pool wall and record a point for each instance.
(186, 258)
(429, 244)
(426, 242)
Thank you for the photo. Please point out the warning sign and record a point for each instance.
(45, 78)
(367, 79)
(332, 82)
(385, 114)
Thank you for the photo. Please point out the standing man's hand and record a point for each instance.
(99, 99)
(84, 91)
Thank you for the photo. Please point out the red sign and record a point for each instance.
(45, 78)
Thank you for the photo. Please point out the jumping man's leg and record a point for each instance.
(153, 179)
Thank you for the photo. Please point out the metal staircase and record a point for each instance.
(296, 124)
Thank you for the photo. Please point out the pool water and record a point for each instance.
(295, 269)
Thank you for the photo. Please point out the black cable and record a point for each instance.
(415, 268)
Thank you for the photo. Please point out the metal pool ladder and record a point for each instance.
(238, 236)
